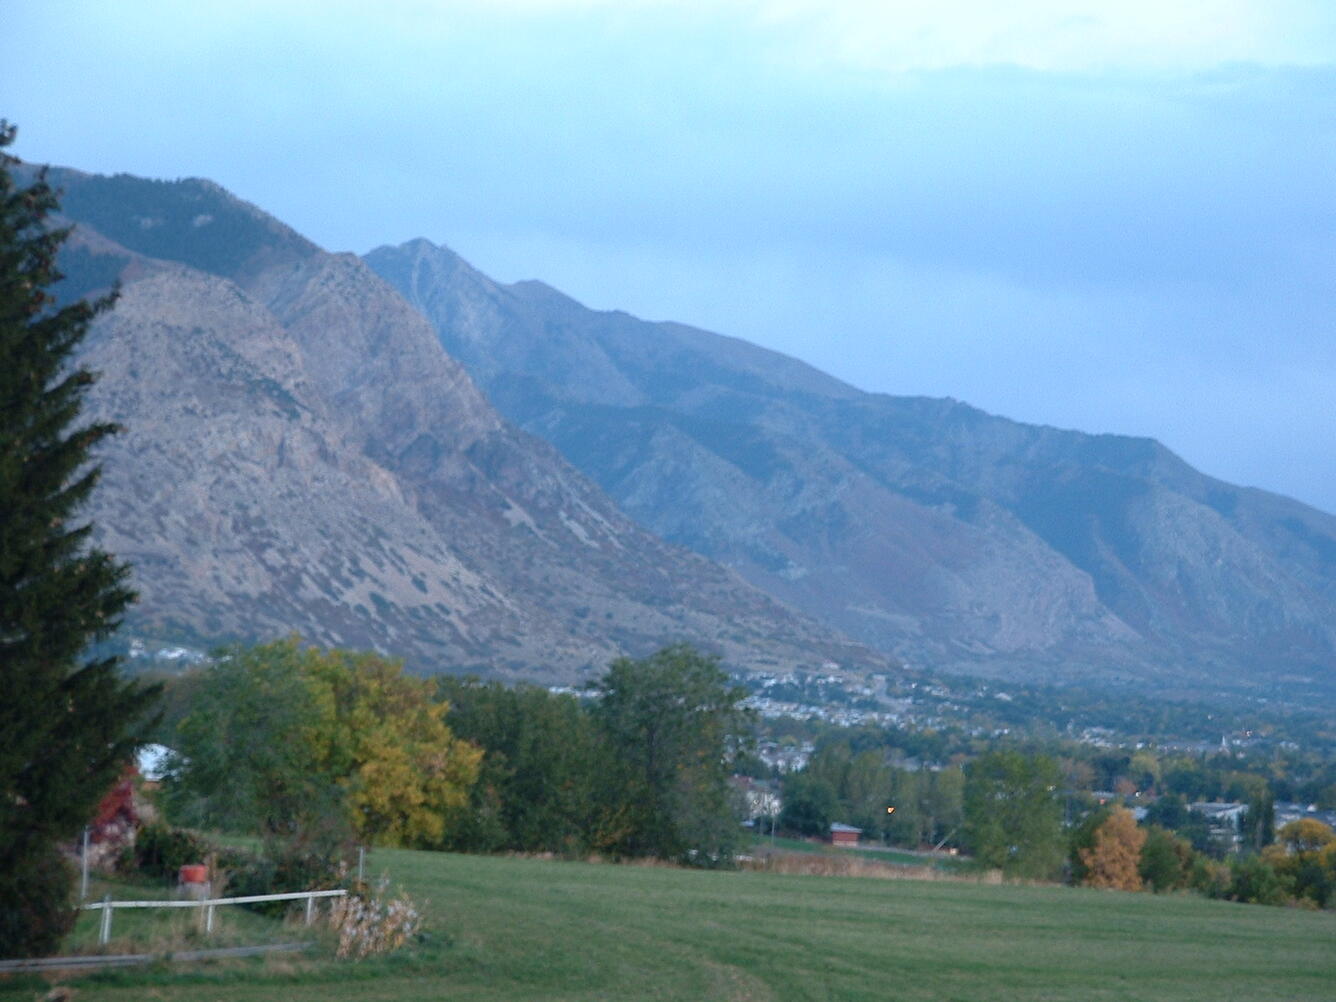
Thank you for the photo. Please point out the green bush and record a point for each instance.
(297, 864)
(285, 866)
(249, 873)
(160, 852)
(1209, 877)
(1254, 882)
(35, 911)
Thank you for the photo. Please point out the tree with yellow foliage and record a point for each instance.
(1305, 835)
(1113, 860)
(1304, 855)
(403, 773)
(283, 737)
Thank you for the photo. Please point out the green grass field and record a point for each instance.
(511, 929)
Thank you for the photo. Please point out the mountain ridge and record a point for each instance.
(932, 530)
(301, 454)
(377, 449)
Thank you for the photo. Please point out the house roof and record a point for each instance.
(837, 827)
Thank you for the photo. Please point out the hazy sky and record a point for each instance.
(1113, 215)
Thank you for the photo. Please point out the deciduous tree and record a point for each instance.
(245, 760)
(540, 788)
(671, 721)
(1166, 860)
(1258, 827)
(1304, 857)
(1013, 819)
(810, 805)
(404, 776)
(285, 738)
(1305, 835)
(1113, 861)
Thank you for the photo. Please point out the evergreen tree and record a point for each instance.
(1259, 820)
(66, 717)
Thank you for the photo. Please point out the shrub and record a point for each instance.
(1255, 882)
(160, 851)
(285, 865)
(1209, 877)
(246, 873)
(367, 924)
(36, 912)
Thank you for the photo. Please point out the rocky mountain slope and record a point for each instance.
(300, 454)
(949, 537)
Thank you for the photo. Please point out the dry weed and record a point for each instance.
(370, 923)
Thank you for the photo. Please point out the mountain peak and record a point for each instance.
(301, 454)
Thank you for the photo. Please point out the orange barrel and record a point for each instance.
(194, 873)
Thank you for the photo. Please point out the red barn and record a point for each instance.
(844, 835)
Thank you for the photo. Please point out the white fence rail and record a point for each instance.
(108, 906)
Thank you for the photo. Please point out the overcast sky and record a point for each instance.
(1110, 215)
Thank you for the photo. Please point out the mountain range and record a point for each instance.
(301, 455)
(399, 452)
(950, 538)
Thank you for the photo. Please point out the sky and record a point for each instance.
(1111, 215)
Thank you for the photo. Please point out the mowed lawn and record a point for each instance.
(511, 929)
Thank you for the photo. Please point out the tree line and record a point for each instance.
(295, 742)
(1021, 812)
(300, 743)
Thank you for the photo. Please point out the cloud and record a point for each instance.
(900, 35)
(1115, 217)
(1061, 35)
(878, 36)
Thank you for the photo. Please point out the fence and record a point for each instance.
(97, 961)
(108, 906)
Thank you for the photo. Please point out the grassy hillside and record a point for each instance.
(528, 929)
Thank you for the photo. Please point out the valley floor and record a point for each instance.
(509, 929)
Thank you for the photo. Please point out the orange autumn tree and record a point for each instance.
(1113, 861)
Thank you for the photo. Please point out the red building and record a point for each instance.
(844, 835)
